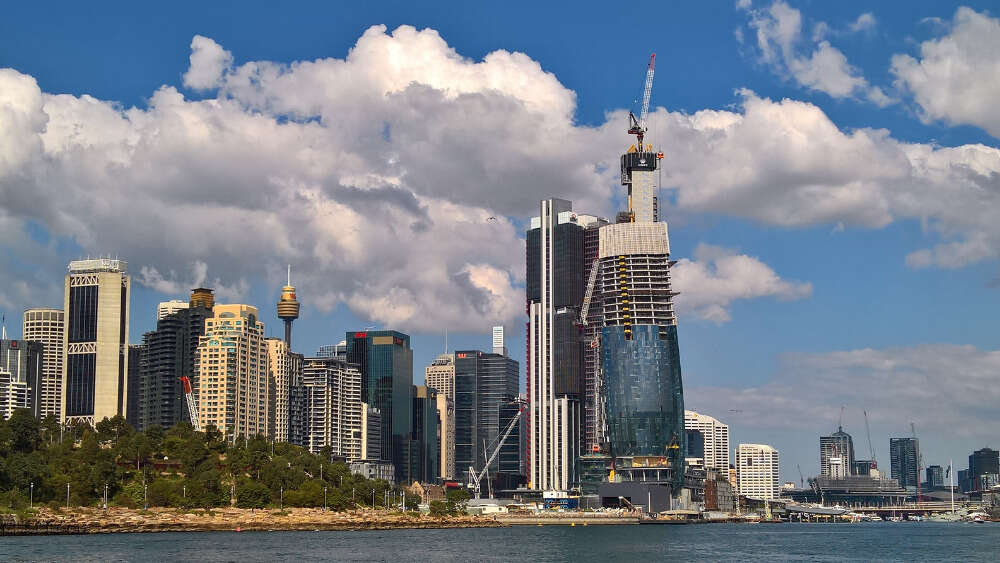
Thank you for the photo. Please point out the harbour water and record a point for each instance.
(713, 542)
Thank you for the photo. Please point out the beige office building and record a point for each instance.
(758, 471)
(440, 375)
(233, 373)
(284, 372)
(446, 426)
(95, 341)
(46, 326)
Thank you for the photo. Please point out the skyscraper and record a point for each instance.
(385, 361)
(333, 403)
(983, 462)
(836, 455)
(714, 439)
(46, 326)
(903, 456)
(640, 353)
(170, 307)
(232, 383)
(484, 385)
(284, 374)
(21, 376)
(554, 289)
(935, 476)
(593, 401)
(441, 375)
(95, 349)
(169, 353)
(758, 472)
(424, 455)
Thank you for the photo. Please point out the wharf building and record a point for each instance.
(47, 327)
(385, 361)
(554, 291)
(167, 354)
(233, 383)
(903, 456)
(758, 472)
(708, 441)
(95, 347)
(836, 455)
(486, 393)
(21, 376)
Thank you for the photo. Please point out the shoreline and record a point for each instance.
(82, 520)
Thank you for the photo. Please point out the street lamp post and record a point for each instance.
(324, 499)
(105, 495)
(145, 496)
(31, 495)
(281, 498)
(67, 495)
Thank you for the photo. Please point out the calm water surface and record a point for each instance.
(800, 542)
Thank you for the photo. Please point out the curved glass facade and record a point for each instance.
(645, 399)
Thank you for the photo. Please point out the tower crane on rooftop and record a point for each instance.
(637, 127)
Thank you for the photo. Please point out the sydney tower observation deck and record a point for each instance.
(288, 308)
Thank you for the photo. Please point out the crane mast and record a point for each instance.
(637, 127)
(871, 449)
(475, 478)
(192, 403)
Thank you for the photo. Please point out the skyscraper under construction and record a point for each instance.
(640, 356)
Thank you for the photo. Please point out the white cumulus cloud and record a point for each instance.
(718, 276)
(956, 78)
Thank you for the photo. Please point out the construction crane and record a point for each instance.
(871, 449)
(476, 478)
(585, 310)
(637, 127)
(192, 403)
(802, 479)
(918, 456)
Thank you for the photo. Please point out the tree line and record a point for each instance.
(42, 462)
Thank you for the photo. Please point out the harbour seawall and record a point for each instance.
(122, 520)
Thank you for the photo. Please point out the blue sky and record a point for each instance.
(803, 208)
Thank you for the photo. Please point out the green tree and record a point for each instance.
(25, 430)
(251, 494)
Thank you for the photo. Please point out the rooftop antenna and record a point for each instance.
(289, 275)
(446, 341)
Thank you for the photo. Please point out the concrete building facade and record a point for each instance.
(715, 440)
(758, 472)
(232, 383)
(21, 377)
(47, 327)
(95, 346)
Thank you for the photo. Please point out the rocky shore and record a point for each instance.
(119, 520)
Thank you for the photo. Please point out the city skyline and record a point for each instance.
(801, 281)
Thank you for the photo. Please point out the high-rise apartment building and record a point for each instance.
(169, 353)
(758, 473)
(485, 384)
(285, 374)
(554, 288)
(371, 433)
(21, 376)
(333, 405)
(232, 384)
(385, 361)
(46, 326)
(95, 347)
(170, 307)
(714, 440)
(903, 456)
(836, 455)
(935, 476)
